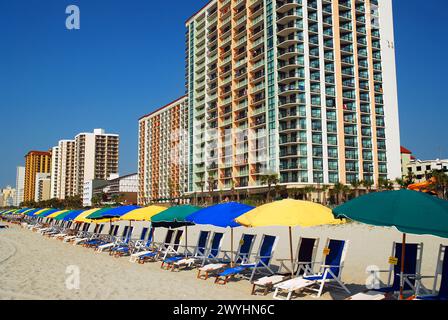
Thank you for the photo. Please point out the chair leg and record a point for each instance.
(254, 286)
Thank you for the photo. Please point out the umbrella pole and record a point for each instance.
(231, 248)
(403, 255)
(186, 241)
(291, 252)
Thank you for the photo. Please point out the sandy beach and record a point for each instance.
(34, 267)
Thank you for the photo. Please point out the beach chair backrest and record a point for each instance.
(335, 255)
(177, 239)
(150, 237)
(202, 243)
(125, 231)
(215, 247)
(266, 251)
(306, 253)
(245, 248)
(168, 237)
(101, 229)
(129, 235)
(442, 273)
(412, 263)
(143, 234)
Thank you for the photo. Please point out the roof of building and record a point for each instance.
(38, 153)
(165, 106)
(404, 150)
(197, 12)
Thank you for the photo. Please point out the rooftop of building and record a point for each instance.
(403, 150)
(199, 11)
(38, 153)
(98, 132)
(164, 107)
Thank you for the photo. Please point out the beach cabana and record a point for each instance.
(289, 213)
(221, 215)
(408, 211)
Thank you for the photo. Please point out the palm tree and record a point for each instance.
(269, 180)
(356, 185)
(440, 185)
(368, 184)
(385, 184)
(340, 191)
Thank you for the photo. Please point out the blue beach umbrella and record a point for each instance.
(221, 215)
(31, 212)
(73, 215)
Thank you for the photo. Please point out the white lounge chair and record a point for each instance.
(330, 272)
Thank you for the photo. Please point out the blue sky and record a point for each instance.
(128, 59)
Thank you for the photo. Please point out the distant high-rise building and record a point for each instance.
(20, 185)
(96, 157)
(7, 197)
(63, 170)
(163, 153)
(35, 162)
(42, 187)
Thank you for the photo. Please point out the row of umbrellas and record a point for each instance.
(409, 211)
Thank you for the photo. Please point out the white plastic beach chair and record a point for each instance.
(330, 273)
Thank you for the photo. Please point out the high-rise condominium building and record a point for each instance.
(96, 157)
(43, 186)
(35, 162)
(20, 185)
(302, 89)
(63, 170)
(163, 150)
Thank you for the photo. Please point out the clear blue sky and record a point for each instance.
(128, 59)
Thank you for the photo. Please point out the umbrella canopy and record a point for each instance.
(36, 213)
(82, 218)
(143, 214)
(408, 211)
(57, 213)
(72, 215)
(110, 213)
(174, 216)
(220, 215)
(289, 213)
(22, 210)
(45, 213)
(31, 212)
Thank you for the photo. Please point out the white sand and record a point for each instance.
(34, 267)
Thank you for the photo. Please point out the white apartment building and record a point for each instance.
(20, 186)
(96, 157)
(63, 170)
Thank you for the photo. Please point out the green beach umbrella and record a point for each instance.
(408, 211)
(174, 217)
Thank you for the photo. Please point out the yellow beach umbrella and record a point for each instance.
(39, 212)
(143, 214)
(289, 213)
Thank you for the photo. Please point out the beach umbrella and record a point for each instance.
(289, 213)
(63, 215)
(141, 214)
(22, 210)
(174, 217)
(111, 213)
(221, 215)
(72, 215)
(35, 213)
(31, 212)
(408, 211)
(45, 213)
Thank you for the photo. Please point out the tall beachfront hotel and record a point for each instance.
(301, 89)
(305, 89)
(163, 153)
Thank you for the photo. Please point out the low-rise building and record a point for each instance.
(420, 168)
